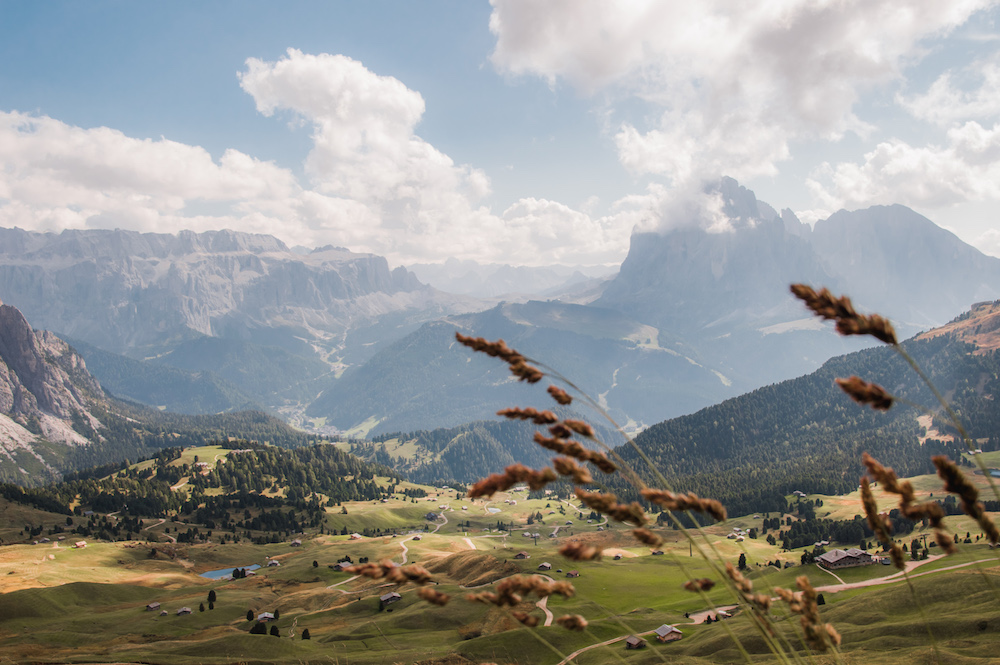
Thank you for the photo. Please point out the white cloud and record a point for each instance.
(56, 176)
(373, 184)
(989, 242)
(954, 97)
(966, 168)
(735, 82)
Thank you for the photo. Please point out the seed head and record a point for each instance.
(863, 392)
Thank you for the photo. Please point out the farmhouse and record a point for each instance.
(573, 573)
(354, 536)
(545, 566)
(272, 563)
(390, 597)
(633, 642)
(668, 633)
(845, 558)
(184, 610)
(265, 616)
(296, 543)
(152, 606)
(522, 555)
(80, 544)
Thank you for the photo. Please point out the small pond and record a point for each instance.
(226, 572)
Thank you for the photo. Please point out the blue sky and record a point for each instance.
(517, 132)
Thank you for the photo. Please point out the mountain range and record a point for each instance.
(692, 318)
(336, 341)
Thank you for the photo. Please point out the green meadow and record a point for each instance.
(67, 605)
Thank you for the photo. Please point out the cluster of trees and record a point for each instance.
(805, 434)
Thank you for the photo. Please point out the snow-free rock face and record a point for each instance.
(122, 290)
(46, 393)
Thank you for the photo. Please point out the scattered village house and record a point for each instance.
(845, 558)
(184, 610)
(573, 573)
(265, 616)
(388, 598)
(668, 633)
(296, 543)
(545, 566)
(633, 642)
(152, 606)
(522, 555)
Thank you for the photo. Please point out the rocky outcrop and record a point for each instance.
(41, 377)
(122, 290)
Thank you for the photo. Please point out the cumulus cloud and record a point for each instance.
(966, 168)
(967, 93)
(734, 83)
(55, 176)
(372, 183)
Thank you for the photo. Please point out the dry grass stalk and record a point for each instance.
(485, 597)
(433, 596)
(576, 551)
(525, 372)
(849, 322)
(534, 415)
(580, 427)
(536, 584)
(525, 618)
(760, 603)
(820, 636)
(929, 510)
(684, 502)
(565, 466)
(560, 395)
(700, 584)
(573, 449)
(956, 483)
(411, 573)
(608, 505)
(572, 622)
(499, 349)
(512, 475)
(647, 537)
(880, 524)
(863, 392)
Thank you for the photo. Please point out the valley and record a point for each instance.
(89, 604)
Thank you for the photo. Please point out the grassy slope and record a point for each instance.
(88, 605)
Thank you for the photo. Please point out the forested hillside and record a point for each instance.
(806, 434)
(228, 494)
(461, 454)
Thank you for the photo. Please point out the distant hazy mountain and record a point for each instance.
(716, 305)
(426, 380)
(492, 280)
(729, 291)
(806, 434)
(900, 263)
(172, 298)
